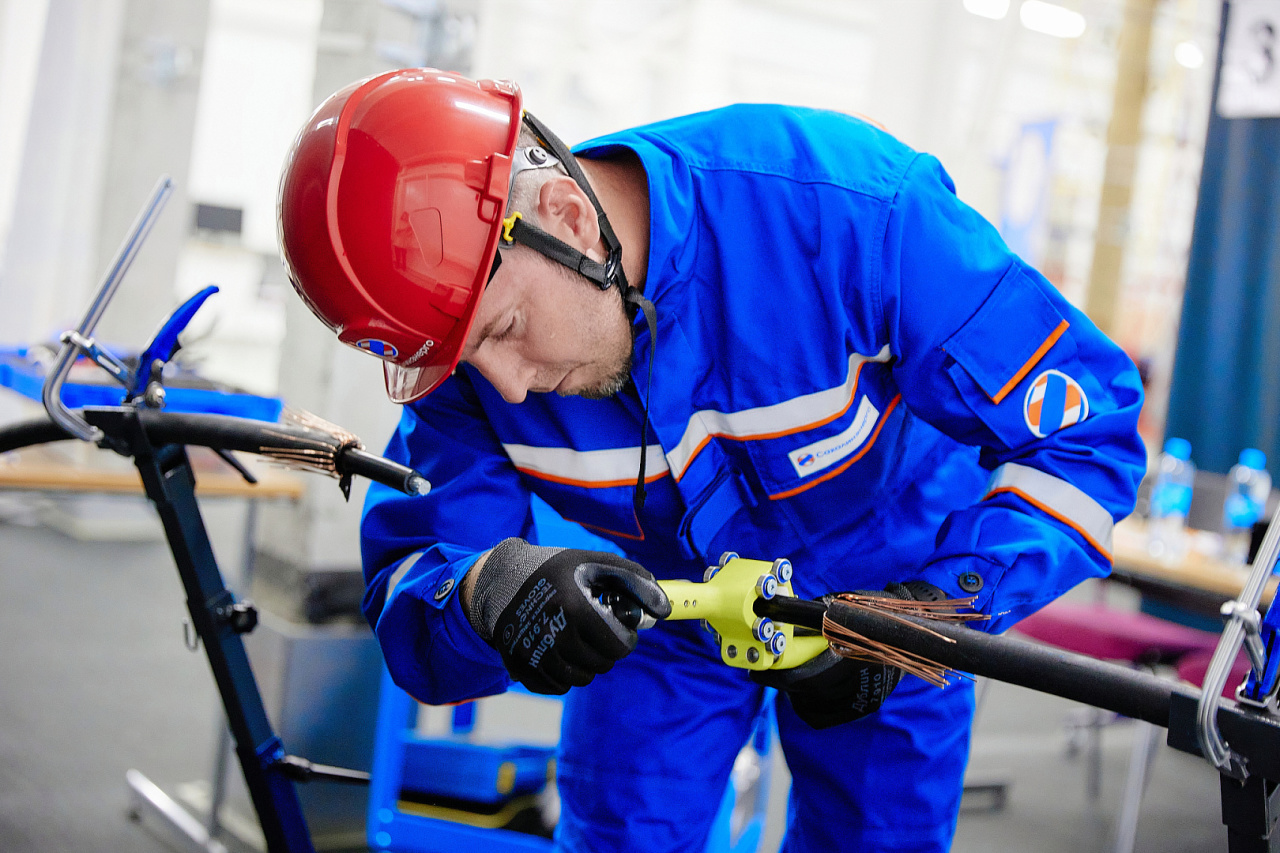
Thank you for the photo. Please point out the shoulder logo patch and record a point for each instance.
(1054, 401)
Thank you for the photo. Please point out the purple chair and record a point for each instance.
(1133, 638)
(1193, 666)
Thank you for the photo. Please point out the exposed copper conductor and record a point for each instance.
(850, 644)
(321, 456)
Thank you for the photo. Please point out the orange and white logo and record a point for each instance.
(1054, 401)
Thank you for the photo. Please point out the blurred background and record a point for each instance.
(1105, 139)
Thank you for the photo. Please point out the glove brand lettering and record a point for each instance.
(554, 625)
(529, 619)
(533, 601)
(870, 690)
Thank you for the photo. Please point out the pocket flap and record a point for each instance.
(1012, 331)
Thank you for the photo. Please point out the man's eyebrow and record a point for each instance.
(485, 333)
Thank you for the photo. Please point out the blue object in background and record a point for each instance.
(21, 374)
(494, 777)
(1024, 202)
(1225, 392)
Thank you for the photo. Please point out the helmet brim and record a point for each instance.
(407, 384)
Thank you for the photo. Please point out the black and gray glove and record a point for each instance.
(830, 690)
(540, 608)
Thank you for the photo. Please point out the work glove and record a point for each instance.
(829, 689)
(540, 609)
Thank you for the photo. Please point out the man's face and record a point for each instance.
(541, 327)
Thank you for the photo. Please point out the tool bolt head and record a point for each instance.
(153, 396)
(732, 651)
(778, 644)
(767, 586)
(763, 629)
(753, 655)
(782, 568)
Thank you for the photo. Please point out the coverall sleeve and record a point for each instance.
(988, 352)
(416, 549)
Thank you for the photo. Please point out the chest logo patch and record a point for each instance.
(1054, 401)
(823, 454)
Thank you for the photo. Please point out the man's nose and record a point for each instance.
(510, 376)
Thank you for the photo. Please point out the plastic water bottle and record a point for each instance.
(1248, 485)
(1171, 500)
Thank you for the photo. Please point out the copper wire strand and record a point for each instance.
(302, 460)
(850, 644)
(310, 420)
(315, 455)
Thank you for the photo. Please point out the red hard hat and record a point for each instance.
(390, 209)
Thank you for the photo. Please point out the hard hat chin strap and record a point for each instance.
(515, 229)
(603, 275)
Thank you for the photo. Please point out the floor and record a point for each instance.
(95, 679)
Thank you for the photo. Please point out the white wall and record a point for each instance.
(22, 27)
(60, 82)
(255, 92)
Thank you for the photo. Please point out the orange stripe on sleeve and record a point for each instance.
(1040, 506)
(1031, 362)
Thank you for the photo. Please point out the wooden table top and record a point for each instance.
(33, 470)
(1196, 572)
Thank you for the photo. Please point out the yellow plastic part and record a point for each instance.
(508, 224)
(725, 604)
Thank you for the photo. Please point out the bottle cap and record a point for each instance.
(1178, 448)
(1253, 458)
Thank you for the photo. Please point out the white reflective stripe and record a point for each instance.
(401, 570)
(592, 468)
(1058, 498)
(789, 416)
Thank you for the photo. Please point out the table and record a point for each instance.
(38, 470)
(1198, 581)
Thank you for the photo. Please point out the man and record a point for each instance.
(762, 329)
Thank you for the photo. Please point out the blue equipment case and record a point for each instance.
(20, 373)
(473, 790)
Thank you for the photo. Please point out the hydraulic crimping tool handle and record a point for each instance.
(726, 602)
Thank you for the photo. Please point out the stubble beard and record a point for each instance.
(612, 384)
(617, 365)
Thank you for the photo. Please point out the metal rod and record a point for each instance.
(1209, 738)
(51, 394)
(192, 834)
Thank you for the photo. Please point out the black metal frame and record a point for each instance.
(1249, 807)
(170, 484)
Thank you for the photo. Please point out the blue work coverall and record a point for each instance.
(852, 371)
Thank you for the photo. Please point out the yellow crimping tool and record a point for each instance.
(725, 602)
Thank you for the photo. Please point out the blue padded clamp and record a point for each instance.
(165, 342)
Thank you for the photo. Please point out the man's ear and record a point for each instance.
(565, 212)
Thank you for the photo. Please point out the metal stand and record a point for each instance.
(219, 620)
(146, 795)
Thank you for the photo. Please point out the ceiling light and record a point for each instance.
(1188, 54)
(1051, 19)
(993, 9)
